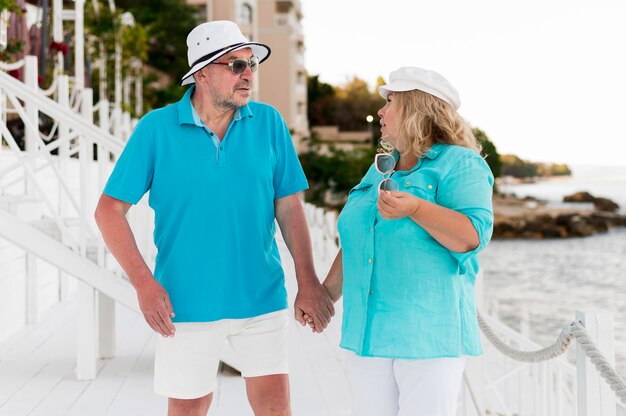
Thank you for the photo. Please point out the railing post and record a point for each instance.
(57, 33)
(116, 120)
(32, 112)
(138, 91)
(595, 396)
(86, 162)
(63, 99)
(4, 26)
(106, 326)
(126, 126)
(103, 153)
(30, 146)
(79, 46)
(86, 354)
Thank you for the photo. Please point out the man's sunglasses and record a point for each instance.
(239, 65)
(385, 163)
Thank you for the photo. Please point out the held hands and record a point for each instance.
(308, 319)
(313, 306)
(395, 204)
(156, 307)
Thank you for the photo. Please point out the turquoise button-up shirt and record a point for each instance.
(404, 294)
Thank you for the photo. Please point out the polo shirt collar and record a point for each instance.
(188, 115)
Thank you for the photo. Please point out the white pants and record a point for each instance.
(394, 387)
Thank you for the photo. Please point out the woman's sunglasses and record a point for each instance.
(239, 65)
(385, 164)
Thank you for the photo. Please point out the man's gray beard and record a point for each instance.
(229, 104)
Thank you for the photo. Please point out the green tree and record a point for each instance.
(354, 103)
(516, 167)
(489, 152)
(167, 23)
(322, 102)
(335, 170)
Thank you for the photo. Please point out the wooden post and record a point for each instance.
(118, 73)
(102, 65)
(106, 326)
(30, 145)
(86, 354)
(595, 396)
(57, 33)
(86, 161)
(4, 26)
(32, 112)
(79, 39)
(138, 89)
(64, 157)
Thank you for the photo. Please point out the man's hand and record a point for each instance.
(394, 204)
(156, 307)
(313, 300)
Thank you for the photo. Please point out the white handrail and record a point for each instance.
(12, 66)
(56, 111)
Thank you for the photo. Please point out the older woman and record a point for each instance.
(410, 234)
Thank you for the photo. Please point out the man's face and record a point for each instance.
(228, 90)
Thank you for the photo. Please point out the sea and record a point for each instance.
(539, 285)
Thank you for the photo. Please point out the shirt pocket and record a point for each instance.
(421, 188)
(358, 192)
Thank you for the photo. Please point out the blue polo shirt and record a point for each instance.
(404, 294)
(214, 206)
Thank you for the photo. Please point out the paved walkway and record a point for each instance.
(37, 370)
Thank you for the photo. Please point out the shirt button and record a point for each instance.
(370, 260)
(430, 187)
(407, 183)
(211, 134)
(371, 229)
(371, 292)
(221, 148)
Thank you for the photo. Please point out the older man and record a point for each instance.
(220, 168)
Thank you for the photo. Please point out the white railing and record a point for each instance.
(528, 380)
(58, 177)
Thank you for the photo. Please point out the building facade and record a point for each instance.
(282, 80)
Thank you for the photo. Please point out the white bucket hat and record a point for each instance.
(412, 78)
(211, 40)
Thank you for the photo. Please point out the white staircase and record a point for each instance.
(48, 193)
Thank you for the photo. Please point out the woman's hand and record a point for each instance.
(395, 204)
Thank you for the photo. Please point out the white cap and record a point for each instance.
(412, 78)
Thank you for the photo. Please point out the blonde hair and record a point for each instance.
(424, 120)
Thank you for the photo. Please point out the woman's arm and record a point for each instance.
(334, 280)
(450, 228)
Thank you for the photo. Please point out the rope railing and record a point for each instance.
(574, 330)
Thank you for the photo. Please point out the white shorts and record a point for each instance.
(395, 387)
(185, 366)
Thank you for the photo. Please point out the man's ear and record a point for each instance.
(199, 76)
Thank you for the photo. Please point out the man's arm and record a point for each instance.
(312, 297)
(153, 299)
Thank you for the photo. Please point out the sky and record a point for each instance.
(545, 79)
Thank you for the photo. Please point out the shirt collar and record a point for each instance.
(187, 114)
(434, 150)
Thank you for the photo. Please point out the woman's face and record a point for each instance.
(388, 125)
